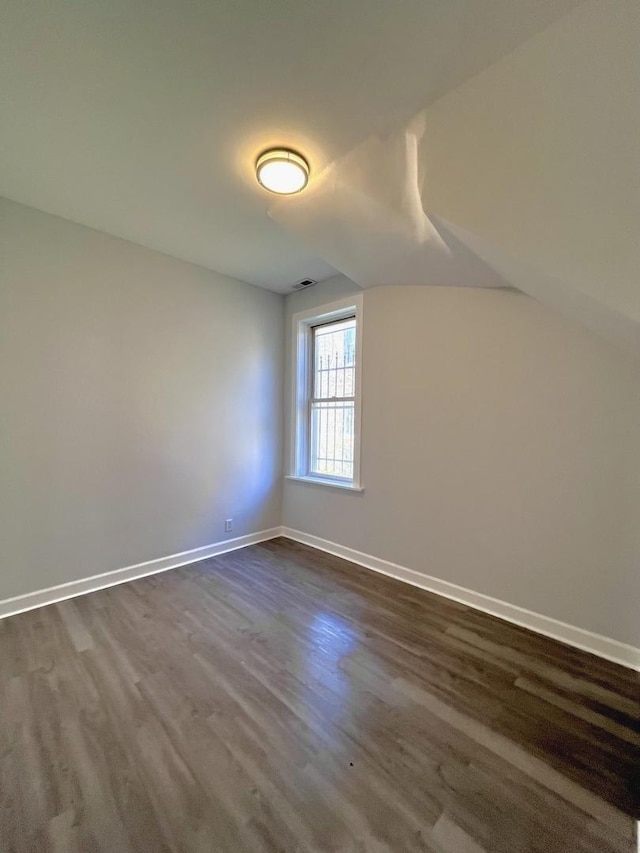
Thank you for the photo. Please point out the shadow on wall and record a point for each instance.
(497, 183)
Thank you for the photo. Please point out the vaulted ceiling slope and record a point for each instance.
(528, 174)
(143, 119)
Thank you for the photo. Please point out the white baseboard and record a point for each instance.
(588, 641)
(604, 647)
(20, 603)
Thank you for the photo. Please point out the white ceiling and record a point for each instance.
(143, 118)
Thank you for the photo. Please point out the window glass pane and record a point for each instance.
(334, 348)
(332, 439)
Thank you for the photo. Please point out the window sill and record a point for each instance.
(318, 481)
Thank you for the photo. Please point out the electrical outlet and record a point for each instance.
(228, 525)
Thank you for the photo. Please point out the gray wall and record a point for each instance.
(500, 452)
(140, 399)
(141, 405)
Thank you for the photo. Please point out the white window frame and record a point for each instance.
(302, 379)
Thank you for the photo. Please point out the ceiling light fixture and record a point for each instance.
(282, 171)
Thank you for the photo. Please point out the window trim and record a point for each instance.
(302, 379)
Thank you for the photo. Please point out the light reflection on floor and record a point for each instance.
(332, 639)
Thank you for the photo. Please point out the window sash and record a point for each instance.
(336, 407)
(335, 446)
(319, 374)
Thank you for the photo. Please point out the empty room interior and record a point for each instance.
(319, 426)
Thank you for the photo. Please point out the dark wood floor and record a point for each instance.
(279, 699)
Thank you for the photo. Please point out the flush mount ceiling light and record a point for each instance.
(282, 171)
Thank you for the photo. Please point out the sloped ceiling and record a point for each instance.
(143, 119)
(527, 175)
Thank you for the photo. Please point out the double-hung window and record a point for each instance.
(326, 427)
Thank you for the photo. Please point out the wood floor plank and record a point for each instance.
(451, 837)
(281, 699)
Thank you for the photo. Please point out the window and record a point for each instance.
(333, 399)
(327, 395)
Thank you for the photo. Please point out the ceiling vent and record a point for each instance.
(306, 282)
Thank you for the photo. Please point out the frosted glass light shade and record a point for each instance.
(282, 171)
